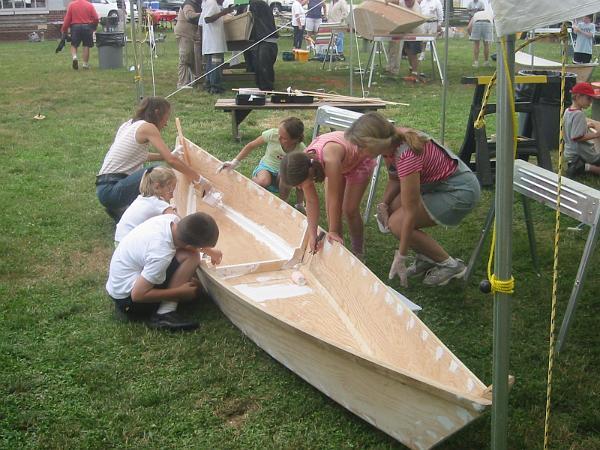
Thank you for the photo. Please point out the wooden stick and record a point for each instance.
(330, 97)
(183, 142)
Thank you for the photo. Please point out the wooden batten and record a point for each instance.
(376, 18)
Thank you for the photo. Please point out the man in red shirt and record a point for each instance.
(82, 18)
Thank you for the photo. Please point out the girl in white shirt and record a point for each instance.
(156, 191)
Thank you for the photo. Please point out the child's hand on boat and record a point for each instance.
(214, 254)
(202, 183)
(178, 151)
(334, 237)
(316, 243)
(228, 165)
(399, 268)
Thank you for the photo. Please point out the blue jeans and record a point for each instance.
(213, 79)
(339, 42)
(117, 196)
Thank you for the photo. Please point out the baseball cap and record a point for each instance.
(584, 89)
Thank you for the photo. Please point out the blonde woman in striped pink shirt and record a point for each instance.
(435, 188)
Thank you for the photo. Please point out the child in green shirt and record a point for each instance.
(286, 138)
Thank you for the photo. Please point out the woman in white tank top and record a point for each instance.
(117, 183)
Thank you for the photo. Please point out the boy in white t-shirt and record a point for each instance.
(214, 43)
(152, 268)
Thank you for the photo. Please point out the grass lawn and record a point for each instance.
(71, 376)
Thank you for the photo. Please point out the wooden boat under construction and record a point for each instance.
(378, 18)
(339, 328)
(523, 61)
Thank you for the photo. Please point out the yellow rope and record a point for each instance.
(556, 240)
(503, 286)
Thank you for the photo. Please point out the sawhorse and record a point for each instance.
(476, 142)
(576, 200)
(378, 47)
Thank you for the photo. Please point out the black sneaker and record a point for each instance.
(75, 64)
(171, 322)
(577, 167)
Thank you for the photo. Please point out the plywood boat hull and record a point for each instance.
(343, 331)
(523, 62)
(375, 18)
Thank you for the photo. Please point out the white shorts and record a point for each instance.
(312, 24)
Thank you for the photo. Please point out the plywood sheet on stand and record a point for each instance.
(374, 18)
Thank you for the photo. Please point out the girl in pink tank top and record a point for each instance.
(330, 156)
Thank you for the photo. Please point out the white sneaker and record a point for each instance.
(475, 64)
(419, 266)
(486, 64)
(441, 275)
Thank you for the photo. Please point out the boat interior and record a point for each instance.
(331, 295)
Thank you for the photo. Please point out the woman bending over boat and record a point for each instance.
(118, 182)
(286, 138)
(332, 157)
(436, 188)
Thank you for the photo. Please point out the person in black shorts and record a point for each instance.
(82, 19)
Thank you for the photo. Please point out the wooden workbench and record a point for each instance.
(240, 112)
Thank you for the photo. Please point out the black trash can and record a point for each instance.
(546, 105)
(110, 49)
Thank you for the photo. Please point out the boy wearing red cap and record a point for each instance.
(581, 153)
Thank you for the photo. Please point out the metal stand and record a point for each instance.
(577, 201)
(378, 47)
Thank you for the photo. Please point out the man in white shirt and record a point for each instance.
(480, 28)
(433, 10)
(214, 43)
(152, 268)
(412, 48)
(338, 13)
(298, 23)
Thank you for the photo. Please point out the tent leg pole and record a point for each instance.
(503, 251)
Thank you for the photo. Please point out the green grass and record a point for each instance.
(73, 377)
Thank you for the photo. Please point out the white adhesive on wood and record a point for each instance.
(298, 278)
(260, 233)
(272, 292)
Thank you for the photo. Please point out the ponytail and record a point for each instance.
(295, 168)
(413, 139)
(374, 132)
(152, 110)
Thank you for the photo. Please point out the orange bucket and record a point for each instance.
(301, 55)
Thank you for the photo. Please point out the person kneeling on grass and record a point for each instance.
(582, 147)
(152, 268)
(436, 188)
(285, 139)
(156, 191)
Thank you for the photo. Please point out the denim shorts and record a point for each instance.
(448, 201)
(273, 187)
